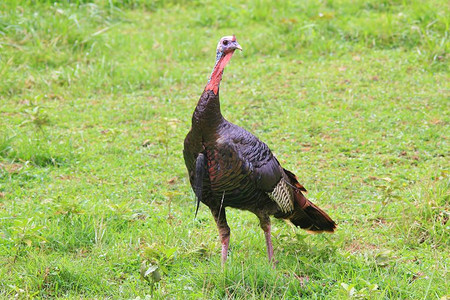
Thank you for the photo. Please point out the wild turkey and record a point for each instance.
(230, 167)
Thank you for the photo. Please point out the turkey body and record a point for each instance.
(240, 169)
(230, 167)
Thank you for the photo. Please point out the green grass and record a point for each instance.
(95, 101)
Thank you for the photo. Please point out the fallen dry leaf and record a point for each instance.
(146, 143)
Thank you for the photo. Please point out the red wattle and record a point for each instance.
(216, 76)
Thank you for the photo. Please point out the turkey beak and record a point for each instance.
(237, 46)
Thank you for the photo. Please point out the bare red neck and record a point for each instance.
(216, 75)
(207, 115)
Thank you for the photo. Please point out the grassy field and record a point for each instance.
(95, 101)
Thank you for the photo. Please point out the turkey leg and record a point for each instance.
(269, 243)
(224, 231)
(265, 225)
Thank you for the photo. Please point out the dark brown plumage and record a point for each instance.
(230, 167)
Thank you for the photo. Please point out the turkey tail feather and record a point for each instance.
(198, 179)
(310, 217)
(306, 214)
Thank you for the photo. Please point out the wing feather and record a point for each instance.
(238, 155)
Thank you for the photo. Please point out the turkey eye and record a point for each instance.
(225, 42)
